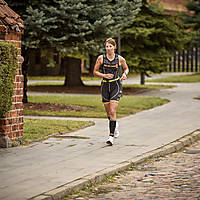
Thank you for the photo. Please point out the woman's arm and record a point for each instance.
(96, 72)
(98, 63)
(122, 62)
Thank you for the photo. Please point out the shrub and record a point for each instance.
(8, 67)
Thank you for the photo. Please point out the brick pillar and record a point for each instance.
(11, 127)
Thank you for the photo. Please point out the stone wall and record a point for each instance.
(11, 30)
(11, 127)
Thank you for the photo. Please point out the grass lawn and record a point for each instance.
(61, 78)
(46, 83)
(93, 106)
(40, 129)
(55, 78)
(84, 77)
(149, 86)
(190, 78)
(154, 87)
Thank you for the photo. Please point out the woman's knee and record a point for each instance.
(112, 112)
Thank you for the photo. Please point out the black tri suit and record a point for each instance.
(111, 89)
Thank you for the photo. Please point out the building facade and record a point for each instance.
(11, 30)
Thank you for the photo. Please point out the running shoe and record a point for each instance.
(116, 133)
(110, 141)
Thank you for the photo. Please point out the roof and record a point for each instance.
(174, 6)
(9, 20)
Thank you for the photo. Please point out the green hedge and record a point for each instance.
(8, 67)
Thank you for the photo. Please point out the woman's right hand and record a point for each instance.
(108, 76)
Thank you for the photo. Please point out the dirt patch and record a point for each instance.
(82, 89)
(53, 107)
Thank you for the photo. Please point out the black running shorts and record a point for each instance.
(111, 91)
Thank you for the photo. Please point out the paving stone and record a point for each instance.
(174, 177)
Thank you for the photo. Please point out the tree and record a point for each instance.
(123, 12)
(150, 40)
(193, 17)
(63, 26)
(107, 21)
(21, 8)
(192, 20)
(72, 26)
(66, 25)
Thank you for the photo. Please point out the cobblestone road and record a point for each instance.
(176, 176)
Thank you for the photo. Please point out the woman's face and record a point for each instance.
(110, 48)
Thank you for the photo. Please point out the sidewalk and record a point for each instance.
(50, 169)
(132, 80)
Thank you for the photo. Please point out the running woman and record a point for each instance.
(111, 88)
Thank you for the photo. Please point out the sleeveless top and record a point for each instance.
(111, 67)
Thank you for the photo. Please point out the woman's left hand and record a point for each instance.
(123, 77)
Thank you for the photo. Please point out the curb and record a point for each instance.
(64, 190)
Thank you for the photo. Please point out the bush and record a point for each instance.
(8, 67)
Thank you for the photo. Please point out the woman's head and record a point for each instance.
(110, 44)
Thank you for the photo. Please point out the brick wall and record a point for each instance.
(11, 127)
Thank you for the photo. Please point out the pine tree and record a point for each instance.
(72, 26)
(108, 21)
(62, 24)
(150, 40)
(192, 20)
(66, 25)
(124, 11)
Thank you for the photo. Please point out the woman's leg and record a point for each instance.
(113, 110)
(107, 109)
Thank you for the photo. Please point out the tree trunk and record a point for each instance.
(25, 54)
(142, 78)
(92, 63)
(73, 71)
(119, 44)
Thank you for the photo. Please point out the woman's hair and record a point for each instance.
(111, 41)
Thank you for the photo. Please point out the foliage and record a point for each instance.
(62, 24)
(123, 12)
(71, 25)
(151, 39)
(192, 19)
(8, 66)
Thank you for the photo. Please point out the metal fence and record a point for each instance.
(185, 61)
